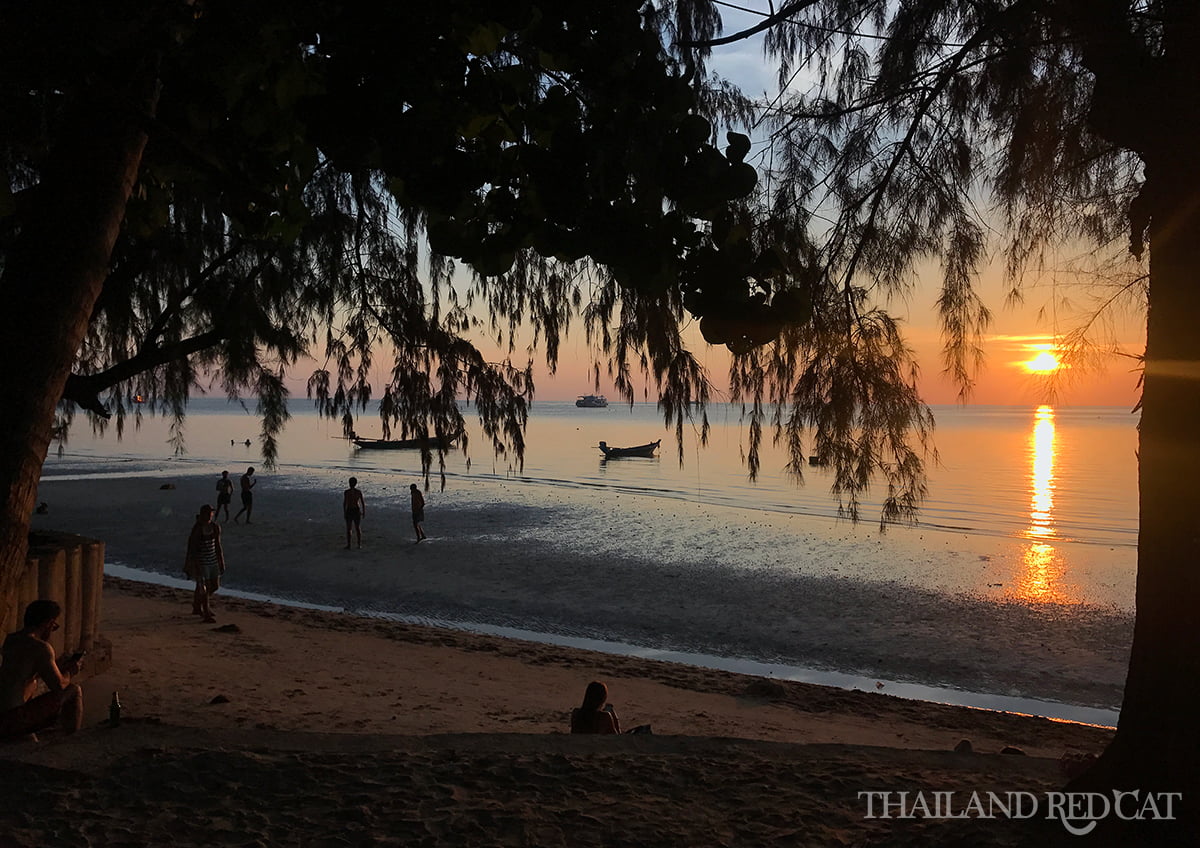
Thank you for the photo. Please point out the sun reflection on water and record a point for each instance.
(1041, 478)
(1042, 566)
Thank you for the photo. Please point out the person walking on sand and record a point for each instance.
(28, 658)
(418, 510)
(354, 508)
(224, 493)
(205, 562)
(248, 482)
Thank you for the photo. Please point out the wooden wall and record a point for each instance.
(69, 569)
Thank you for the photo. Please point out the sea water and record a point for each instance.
(1055, 488)
(1036, 506)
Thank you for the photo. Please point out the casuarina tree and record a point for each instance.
(906, 132)
(197, 194)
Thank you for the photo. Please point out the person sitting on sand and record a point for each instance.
(595, 715)
(248, 483)
(29, 658)
(224, 494)
(205, 562)
(354, 508)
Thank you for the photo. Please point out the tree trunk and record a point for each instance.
(1157, 746)
(52, 277)
(1147, 100)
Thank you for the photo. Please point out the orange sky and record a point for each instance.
(1019, 332)
(1016, 334)
(1003, 380)
(1049, 310)
(1015, 337)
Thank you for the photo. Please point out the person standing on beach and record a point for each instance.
(418, 510)
(205, 562)
(248, 482)
(28, 658)
(224, 493)
(354, 508)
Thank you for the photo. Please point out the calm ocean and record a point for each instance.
(1017, 582)
(1054, 490)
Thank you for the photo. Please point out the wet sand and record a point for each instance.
(497, 556)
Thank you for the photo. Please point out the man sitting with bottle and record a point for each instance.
(29, 657)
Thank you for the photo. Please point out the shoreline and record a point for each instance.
(1053, 710)
(262, 643)
(502, 559)
(283, 724)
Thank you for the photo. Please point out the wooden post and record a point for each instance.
(27, 592)
(68, 569)
(52, 585)
(92, 585)
(73, 599)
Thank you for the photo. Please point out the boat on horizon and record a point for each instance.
(592, 401)
(432, 443)
(645, 451)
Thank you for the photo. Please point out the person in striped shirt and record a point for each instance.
(205, 562)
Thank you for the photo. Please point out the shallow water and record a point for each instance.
(1036, 505)
(927, 607)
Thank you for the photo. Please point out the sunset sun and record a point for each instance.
(1044, 362)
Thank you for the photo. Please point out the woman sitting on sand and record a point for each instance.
(595, 715)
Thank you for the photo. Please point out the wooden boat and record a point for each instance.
(433, 443)
(640, 450)
(592, 401)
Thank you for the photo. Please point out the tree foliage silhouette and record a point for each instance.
(911, 131)
(205, 191)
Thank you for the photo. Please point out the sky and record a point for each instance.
(1018, 333)
(1007, 376)
(1015, 348)
(1017, 336)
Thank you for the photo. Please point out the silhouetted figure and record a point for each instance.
(248, 482)
(224, 493)
(418, 510)
(354, 508)
(28, 658)
(595, 714)
(205, 562)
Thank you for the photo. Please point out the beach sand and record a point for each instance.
(295, 727)
(667, 575)
(289, 726)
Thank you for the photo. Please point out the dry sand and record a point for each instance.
(328, 729)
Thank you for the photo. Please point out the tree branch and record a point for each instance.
(766, 23)
(85, 389)
(904, 148)
(161, 321)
